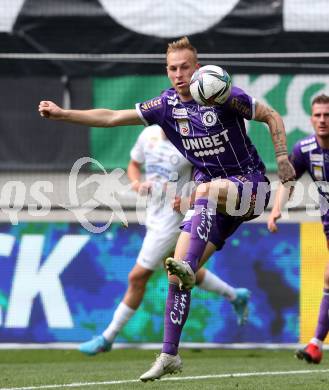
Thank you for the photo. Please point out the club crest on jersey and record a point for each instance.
(184, 127)
(209, 118)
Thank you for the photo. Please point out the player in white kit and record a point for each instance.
(166, 170)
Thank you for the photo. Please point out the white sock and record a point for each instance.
(317, 342)
(120, 317)
(213, 283)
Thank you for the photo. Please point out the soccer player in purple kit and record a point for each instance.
(227, 166)
(311, 155)
(162, 164)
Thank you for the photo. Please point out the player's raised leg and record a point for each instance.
(201, 226)
(208, 198)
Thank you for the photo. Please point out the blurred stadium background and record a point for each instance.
(59, 282)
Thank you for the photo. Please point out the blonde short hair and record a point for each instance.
(181, 44)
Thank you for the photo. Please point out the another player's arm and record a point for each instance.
(181, 205)
(275, 123)
(282, 195)
(98, 117)
(134, 173)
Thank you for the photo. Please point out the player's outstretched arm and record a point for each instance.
(286, 171)
(98, 117)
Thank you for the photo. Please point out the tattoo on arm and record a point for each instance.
(276, 126)
(286, 171)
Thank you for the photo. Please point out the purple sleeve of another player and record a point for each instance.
(298, 161)
(241, 103)
(152, 111)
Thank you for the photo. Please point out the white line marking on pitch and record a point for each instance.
(182, 378)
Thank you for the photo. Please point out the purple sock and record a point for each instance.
(202, 223)
(323, 320)
(177, 309)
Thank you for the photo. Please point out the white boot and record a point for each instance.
(164, 364)
(184, 272)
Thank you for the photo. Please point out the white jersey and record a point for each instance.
(169, 172)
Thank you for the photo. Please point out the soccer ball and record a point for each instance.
(210, 85)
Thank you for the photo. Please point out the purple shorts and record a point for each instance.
(254, 195)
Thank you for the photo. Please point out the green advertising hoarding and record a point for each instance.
(112, 146)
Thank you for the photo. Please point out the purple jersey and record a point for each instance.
(213, 139)
(308, 156)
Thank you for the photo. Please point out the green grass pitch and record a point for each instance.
(120, 369)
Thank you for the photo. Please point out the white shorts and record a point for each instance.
(156, 247)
